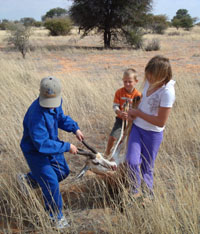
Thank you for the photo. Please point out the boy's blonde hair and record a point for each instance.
(130, 72)
(158, 70)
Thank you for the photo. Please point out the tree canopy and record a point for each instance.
(156, 23)
(183, 20)
(58, 26)
(55, 12)
(109, 16)
(27, 21)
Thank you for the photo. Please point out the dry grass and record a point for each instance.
(90, 77)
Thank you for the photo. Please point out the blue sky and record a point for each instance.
(170, 7)
(17, 9)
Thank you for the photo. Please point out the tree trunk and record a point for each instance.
(107, 39)
(23, 54)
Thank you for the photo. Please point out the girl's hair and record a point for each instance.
(158, 70)
(130, 72)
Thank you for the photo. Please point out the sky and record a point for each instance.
(17, 9)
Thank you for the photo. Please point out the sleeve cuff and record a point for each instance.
(67, 146)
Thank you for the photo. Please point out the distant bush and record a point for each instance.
(196, 55)
(159, 28)
(183, 20)
(134, 37)
(27, 21)
(58, 26)
(55, 13)
(153, 45)
(156, 23)
(38, 24)
(19, 37)
(173, 33)
(4, 24)
(159, 24)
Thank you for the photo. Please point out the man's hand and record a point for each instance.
(73, 149)
(79, 135)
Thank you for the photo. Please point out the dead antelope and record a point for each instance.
(94, 159)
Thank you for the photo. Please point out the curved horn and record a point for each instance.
(88, 154)
(89, 147)
(83, 171)
(135, 101)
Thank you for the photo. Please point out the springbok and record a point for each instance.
(94, 159)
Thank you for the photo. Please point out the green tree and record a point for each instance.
(38, 24)
(19, 37)
(4, 24)
(27, 21)
(110, 17)
(157, 23)
(58, 26)
(181, 13)
(183, 20)
(176, 23)
(54, 13)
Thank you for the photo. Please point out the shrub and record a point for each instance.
(19, 37)
(38, 24)
(159, 28)
(58, 26)
(153, 45)
(27, 21)
(174, 34)
(134, 37)
(55, 13)
(4, 24)
(157, 23)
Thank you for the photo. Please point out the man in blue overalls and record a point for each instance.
(42, 148)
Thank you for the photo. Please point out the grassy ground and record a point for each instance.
(90, 76)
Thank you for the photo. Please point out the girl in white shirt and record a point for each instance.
(149, 122)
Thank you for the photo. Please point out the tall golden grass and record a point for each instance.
(88, 92)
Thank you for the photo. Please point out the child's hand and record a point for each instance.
(79, 135)
(130, 119)
(132, 113)
(124, 115)
(73, 149)
(114, 167)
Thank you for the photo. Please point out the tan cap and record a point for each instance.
(50, 92)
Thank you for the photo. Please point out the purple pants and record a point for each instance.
(142, 150)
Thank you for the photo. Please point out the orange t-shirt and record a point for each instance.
(121, 96)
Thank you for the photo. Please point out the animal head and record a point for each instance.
(94, 160)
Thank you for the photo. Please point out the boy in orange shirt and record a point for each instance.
(122, 95)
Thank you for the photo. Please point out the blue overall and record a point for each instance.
(44, 151)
